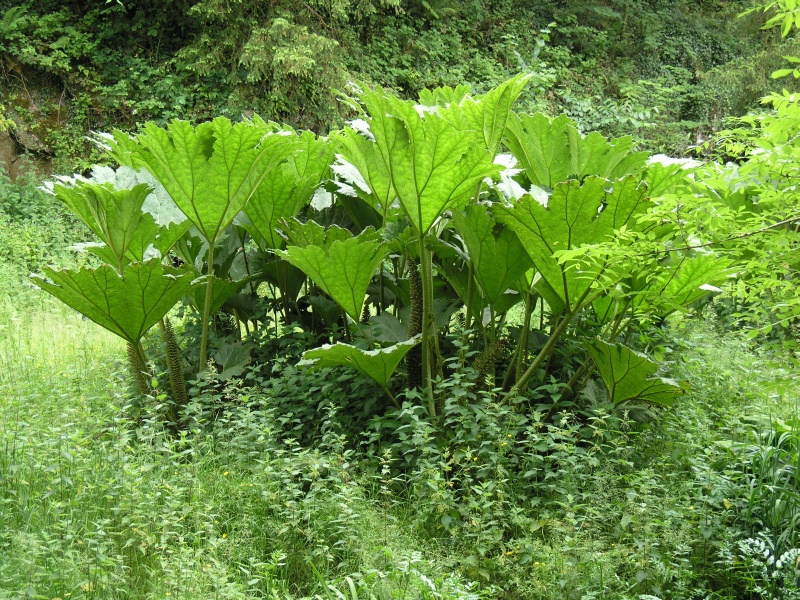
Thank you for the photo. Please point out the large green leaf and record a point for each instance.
(212, 170)
(365, 163)
(286, 277)
(628, 375)
(115, 216)
(232, 358)
(171, 222)
(444, 96)
(500, 260)
(286, 189)
(221, 290)
(312, 233)
(486, 115)
(385, 327)
(378, 364)
(685, 280)
(126, 305)
(421, 157)
(576, 215)
(342, 267)
(553, 150)
(159, 203)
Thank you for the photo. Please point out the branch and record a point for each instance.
(738, 236)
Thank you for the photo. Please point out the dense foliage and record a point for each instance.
(669, 72)
(446, 350)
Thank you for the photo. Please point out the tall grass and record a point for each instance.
(94, 504)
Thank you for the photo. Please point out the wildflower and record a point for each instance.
(226, 473)
(224, 535)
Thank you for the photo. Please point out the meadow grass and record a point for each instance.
(98, 503)
(95, 504)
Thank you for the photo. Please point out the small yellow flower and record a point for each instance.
(226, 473)
(474, 458)
(224, 535)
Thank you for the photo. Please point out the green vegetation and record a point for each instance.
(98, 505)
(668, 72)
(455, 348)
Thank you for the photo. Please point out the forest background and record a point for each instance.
(667, 72)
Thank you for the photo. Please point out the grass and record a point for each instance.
(94, 504)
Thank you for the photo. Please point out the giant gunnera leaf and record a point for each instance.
(499, 258)
(286, 189)
(553, 150)
(486, 115)
(171, 221)
(341, 265)
(127, 305)
(127, 209)
(378, 364)
(211, 170)
(577, 214)
(420, 157)
(628, 375)
(115, 216)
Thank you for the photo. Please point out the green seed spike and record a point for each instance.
(366, 315)
(174, 363)
(488, 359)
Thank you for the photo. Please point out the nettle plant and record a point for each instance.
(449, 226)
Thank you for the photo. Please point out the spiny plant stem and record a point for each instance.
(414, 356)
(585, 300)
(138, 365)
(470, 291)
(544, 353)
(207, 308)
(426, 326)
(392, 397)
(523, 347)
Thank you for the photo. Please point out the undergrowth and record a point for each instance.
(699, 502)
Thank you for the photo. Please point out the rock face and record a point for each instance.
(16, 158)
(35, 111)
(23, 149)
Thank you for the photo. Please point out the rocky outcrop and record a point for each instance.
(23, 149)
